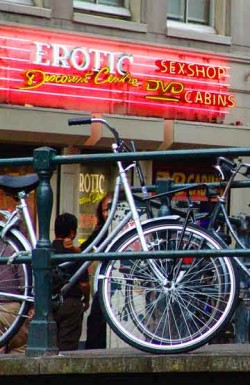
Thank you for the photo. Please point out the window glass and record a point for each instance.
(114, 3)
(23, 2)
(176, 10)
(37, 3)
(190, 11)
(119, 8)
(199, 11)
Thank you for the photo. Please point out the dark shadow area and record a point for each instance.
(132, 379)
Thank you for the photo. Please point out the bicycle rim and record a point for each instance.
(15, 288)
(196, 300)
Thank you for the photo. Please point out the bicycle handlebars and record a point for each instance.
(227, 167)
(121, 144)
(80, 121)
(77, 121)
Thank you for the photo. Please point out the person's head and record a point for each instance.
(102, 209)
(66, 226)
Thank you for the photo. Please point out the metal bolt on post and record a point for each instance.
(162, 186)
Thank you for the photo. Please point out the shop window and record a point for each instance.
(192, 18)
(119, 8)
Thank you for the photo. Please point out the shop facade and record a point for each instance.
(159, 86)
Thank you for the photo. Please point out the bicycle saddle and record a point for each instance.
(225, 167)
(15, 184)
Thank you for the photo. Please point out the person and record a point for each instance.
(13, 280)
(69, 315)
(96, 323)
(18, 342)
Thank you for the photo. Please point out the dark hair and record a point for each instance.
(99, 214)
(64, 224)
(99, 211)
(99, 224)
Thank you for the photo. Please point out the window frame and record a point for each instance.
(20, 2)
(186, 16)
(82, 6)
(24, 9)
(201, 32)
(29, 3)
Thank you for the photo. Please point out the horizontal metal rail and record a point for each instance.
(143, 155)
(154, 254)
(156, 155)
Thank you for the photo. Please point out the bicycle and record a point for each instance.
(156, 305)
(218, 222)
(233, 230)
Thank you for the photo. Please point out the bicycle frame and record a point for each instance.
(220, 210)
(122, 180)
(20, 213)
(114, 235)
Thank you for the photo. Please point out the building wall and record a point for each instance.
(148, 24)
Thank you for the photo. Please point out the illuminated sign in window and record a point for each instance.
(91, 74)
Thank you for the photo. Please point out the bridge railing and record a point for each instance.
(42, 330)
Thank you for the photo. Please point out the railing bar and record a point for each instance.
(138, 255)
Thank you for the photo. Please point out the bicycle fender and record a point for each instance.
(17, 234)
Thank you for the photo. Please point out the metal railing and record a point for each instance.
(43, 328)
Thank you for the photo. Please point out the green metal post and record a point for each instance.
(241, 323)
(42, 331)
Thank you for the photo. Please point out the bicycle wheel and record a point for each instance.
(176, 314)
(15, 286)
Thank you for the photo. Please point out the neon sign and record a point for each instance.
(187, 177)
(191, 69)
(71, 71)
(37, 78)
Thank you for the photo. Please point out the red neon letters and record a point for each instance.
(71, 71)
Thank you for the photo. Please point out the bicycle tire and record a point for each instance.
(181, 315)
(15, 279)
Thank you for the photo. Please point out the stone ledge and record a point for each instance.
(210, 359)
